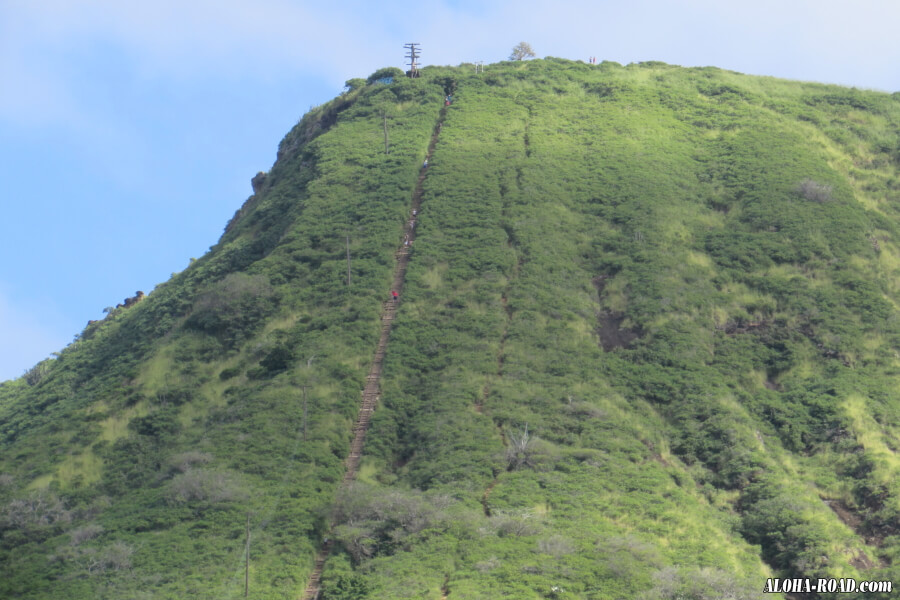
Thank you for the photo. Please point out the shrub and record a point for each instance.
(278, 359)
(776, 521)
(358, 540)
(341, 583)
(202, 485)
(233, 307)
(353, 84)
(528, 451)
(679, 583)
(521, 51)
(449, 84)
(486, 566)
(556, 546)
(814, 191)
(40, 509)
(383, 74)
(177, 395)
(372, 520)
(520, 450)
(37, 373)
(627, 555)
(229, 373)
(184, 461)
(160, 423)
(115, 557)
(514, 524)
(85, 533)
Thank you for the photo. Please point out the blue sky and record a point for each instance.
(129, 131)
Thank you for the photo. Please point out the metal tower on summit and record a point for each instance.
(412, 55)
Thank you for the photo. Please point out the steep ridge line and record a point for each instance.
(370, 392)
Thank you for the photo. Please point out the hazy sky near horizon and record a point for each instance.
(129, 131)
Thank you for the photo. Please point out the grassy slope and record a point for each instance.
(157, 400)
(567, 207)
(673, 193)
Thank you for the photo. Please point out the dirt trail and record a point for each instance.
(370, 393)
(479, 405)
(501, 350)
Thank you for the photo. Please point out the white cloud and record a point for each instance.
(172, 37)
(177, 40)
(835, 41)
(45, 47)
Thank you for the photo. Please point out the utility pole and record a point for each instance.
(413, 55)
(304, 387)
(348, 254)
(305, 412)
(247, 562)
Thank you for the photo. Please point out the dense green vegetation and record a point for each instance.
(646, 349)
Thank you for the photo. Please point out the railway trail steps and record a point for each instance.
(370, 394)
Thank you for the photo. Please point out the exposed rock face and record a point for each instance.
(138, 296)
(612, 334)
(258, 181)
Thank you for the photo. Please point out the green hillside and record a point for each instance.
(647, 347)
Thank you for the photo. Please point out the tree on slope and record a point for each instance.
(521, 51)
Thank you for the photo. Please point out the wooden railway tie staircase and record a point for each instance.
(370, 392)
